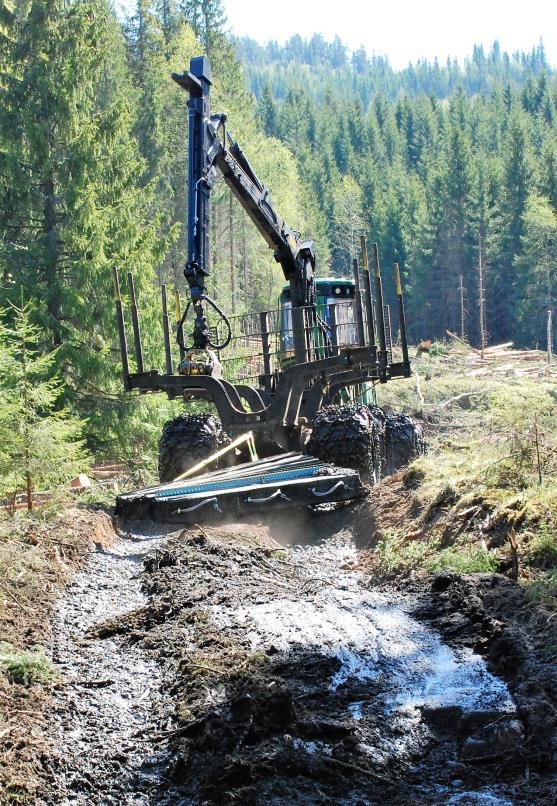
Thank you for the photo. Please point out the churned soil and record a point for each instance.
(294, 681)
(38, 557)
(260, 664)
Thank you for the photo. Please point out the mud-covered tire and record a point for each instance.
(404, 441)
(350, 436)
(187, 440)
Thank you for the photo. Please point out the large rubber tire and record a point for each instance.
(350, 436)
(187, 440)
(404, 441)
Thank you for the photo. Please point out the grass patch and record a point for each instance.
(543, 590)
(469, 560)
(25, 667)
(394, 555)
(541, 549)
(491, 466)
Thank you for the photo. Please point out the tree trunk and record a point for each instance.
(52, 254)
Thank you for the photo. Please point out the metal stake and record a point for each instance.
(166, 331)
(135, 324)
(121, 326)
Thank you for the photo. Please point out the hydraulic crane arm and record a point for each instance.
(290, 251)
(212, 147)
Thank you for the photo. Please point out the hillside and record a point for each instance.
(430, 161)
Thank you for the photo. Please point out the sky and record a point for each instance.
(401, 29)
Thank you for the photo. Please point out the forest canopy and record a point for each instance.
(431, 161)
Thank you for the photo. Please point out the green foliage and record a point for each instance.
(93, 150)
(93, 145)
(72, 204)
(394, 556)
(40, 443)
(464, 560)
(25, 668)
(435, 176)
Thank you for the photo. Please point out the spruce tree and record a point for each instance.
(41, 444)
(71, 197)
(517, 181)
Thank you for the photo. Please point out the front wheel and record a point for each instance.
(187, 440)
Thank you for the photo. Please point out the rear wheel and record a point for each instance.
(404, 441)
(365, 438)
(187, 440)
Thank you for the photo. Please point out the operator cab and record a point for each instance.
(338, 291)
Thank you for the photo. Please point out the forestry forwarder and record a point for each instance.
(329, 342)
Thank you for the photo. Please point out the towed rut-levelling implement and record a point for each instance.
(300, 378)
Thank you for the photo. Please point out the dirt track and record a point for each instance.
(208, 667)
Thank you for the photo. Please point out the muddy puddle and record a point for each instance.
(228, 672)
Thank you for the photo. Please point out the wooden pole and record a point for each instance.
(537, 444)
(550, 337)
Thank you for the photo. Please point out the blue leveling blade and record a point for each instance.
(265, 478)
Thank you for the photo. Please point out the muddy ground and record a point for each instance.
(212, 666)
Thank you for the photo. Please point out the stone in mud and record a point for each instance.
(445, 717)
(499, 740)
(324, 729)
(442, 581)
(454, 623)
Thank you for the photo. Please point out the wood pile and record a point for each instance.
(503, 359)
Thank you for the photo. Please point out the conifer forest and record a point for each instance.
(437, 162)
